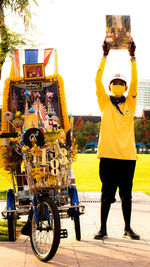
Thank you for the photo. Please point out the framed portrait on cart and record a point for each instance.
(34, 71)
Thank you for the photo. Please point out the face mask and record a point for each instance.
(117, 90)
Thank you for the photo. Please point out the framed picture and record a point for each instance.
(118, 31)
(34, 71)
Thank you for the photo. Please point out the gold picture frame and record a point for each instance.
(34, 71)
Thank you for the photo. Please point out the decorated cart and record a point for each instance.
(37, 149)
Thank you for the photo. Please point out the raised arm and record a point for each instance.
(99, 84)
(134, 79)
(100, 90)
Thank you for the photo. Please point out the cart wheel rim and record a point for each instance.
(45, 236)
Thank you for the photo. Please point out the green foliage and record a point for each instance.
(83, 131)
(147, 126)
(11, 40)
(91, 128)
(141, 127)
(140, 130)
(81, 140)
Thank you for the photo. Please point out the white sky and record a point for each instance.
(76, 28)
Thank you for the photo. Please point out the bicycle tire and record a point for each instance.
(76, 219)
(50, 245)
(12, 228)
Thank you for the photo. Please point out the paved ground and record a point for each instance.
(114, 251)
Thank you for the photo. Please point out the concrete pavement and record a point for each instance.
(112, 252)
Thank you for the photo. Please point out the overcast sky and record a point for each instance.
(76, 28)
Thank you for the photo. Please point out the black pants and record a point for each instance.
(116, 173)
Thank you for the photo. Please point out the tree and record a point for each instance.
(91, 128)
(140, 130)
(147, 125)
(79, 124)
(10, 40)
(81, 140)
(147, 135)
(83, 133)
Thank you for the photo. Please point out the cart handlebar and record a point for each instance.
(8, 135)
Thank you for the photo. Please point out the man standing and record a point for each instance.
(116, 148)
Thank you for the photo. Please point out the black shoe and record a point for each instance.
(101, 235)
(26, 230)
(131, 235)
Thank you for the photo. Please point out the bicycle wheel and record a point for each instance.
(76, 219)
(75, 213)
(45, 236)
(12, 228)
(11, 218)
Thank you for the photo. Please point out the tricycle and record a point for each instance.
(38, 148)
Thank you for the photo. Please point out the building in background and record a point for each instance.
(143, 97)
(78, 118)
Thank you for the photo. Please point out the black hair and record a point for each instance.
(117, 80)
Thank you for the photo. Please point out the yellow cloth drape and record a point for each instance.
(12, 70)
(56, 62)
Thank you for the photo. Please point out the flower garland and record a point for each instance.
(61, 92)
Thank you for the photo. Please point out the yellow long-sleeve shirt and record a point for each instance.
(117, 130)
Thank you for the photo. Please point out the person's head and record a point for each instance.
(118, 85)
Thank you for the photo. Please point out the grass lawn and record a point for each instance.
(4, 230)
(142, 174)
(86, 170)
